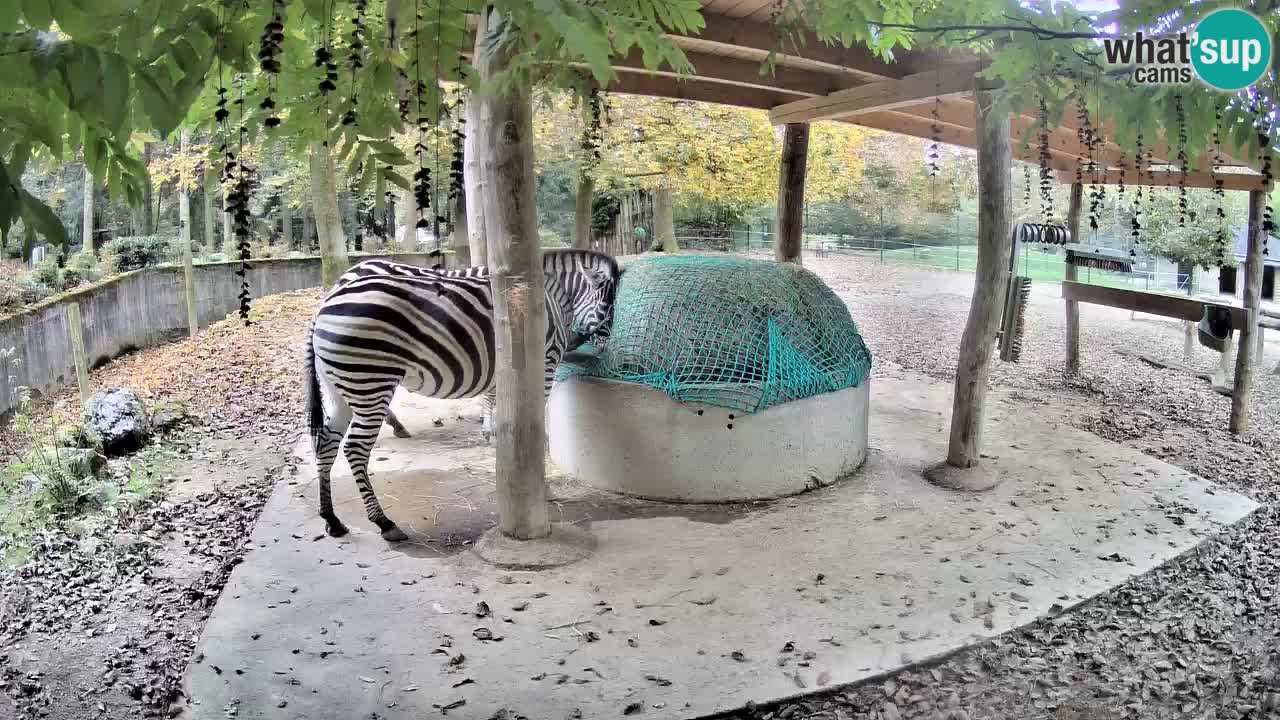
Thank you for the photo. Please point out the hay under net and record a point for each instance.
(730, 332)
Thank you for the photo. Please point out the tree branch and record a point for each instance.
(1039, 32)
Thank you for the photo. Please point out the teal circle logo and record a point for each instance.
(1231, 49)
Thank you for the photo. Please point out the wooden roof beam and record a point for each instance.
(879, 96)
(736, 71)
(913, 126)
(1173, 178)
(734, 32)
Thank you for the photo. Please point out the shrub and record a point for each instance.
(138, 251)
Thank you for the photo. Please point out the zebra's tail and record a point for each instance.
(315, 405)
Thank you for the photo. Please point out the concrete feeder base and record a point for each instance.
(632, 439)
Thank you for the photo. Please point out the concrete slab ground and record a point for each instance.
(682, 610)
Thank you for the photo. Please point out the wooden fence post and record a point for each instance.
(505, 160)
(994, 245)
(788, 243)
(1242, 391)
(473, 183)
(664, 220)
(76, 332)
(1073, 308)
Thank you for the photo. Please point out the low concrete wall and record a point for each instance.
(138, 310)
(661, 449)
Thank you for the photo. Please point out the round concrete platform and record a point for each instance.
(632, 439)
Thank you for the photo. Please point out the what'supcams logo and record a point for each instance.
(1229, 50)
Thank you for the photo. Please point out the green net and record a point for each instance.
(729, 332)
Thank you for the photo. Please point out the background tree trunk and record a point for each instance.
(184, 238)
(143, 221)
(286, 225)
(995, 206)
(228, 234)
(408, 240)
(324, 198)
(505, 134)
(210, 182)
(86, 221)
(795, 157)
(473, 183)
(664, 220)
(459, 239)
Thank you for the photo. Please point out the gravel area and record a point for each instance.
(109, 617)
(1197, 638)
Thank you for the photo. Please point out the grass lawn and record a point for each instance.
(1034, 264)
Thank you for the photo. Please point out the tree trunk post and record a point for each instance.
(473, 184)
(664, 220)
(504, 136)
(324, 197)
(86, 226)
(142, 224)
(1242, 391)
(994, 244)
(1073, 308)
(184, 238)
(789, 238)
(76, 332)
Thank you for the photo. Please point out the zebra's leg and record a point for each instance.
(326, 444)
(486, 416)
(397, 427)
(369, 415)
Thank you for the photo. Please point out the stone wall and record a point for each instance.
(138, 310)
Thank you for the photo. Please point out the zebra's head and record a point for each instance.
(588, 282)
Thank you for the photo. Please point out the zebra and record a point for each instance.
(433, 333)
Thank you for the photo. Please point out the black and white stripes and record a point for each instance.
(431, 331)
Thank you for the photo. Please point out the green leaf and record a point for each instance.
(115, 83)
(37, 13)
(8, 15)
(396, 179)
(38, 216)
(158, 102)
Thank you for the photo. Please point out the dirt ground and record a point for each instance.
(101, 624)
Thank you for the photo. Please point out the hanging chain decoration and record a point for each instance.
(1026, 184)
(1264, 146)
(1135, 217)
(269, 49)
(1218, 186)
(1181, 119)
(1046, 172)
(935, 129)
(325, 62)
(1095, 167)
(1089, 139)
(458, 138)
(355, 57)
(238, 206)
(593, 133)
(421, 176)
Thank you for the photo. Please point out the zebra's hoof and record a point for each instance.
(335, 528)
(400, 432)
(393, 534)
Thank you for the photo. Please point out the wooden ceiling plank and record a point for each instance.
(1173, 178)
(879, 96)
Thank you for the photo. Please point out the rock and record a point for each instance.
(169, 415)
(119, 417)
(76, 436)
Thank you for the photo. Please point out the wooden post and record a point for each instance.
(286, 225)
(228, 233)
(1073, 307)
(790, 229)
(407, 241)
(1242, 391)
(473, 183)
(664, 221)
(184, 238)
(994, 239)
(76, 331)
(86, 228)
(210, 182)
(504, 147)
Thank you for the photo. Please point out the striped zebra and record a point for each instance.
(432, 332)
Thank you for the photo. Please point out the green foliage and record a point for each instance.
(135, 252)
